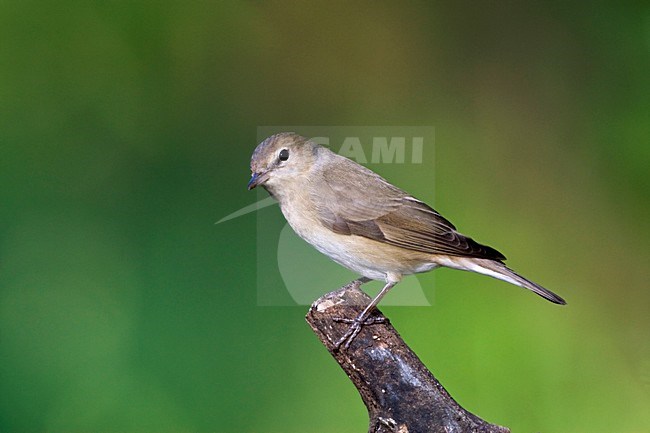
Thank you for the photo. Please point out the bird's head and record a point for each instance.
(281, 158)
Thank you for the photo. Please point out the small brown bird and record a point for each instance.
(359, 220)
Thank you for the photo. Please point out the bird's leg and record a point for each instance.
(356, 283)
(363, 318)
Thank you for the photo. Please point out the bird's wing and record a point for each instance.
(353, 201)
(416, 226)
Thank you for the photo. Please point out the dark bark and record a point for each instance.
(400, 393)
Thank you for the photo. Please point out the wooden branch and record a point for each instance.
(400, 393)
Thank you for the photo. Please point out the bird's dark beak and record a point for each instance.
(258, 179)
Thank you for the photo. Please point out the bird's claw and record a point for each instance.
(354, 329)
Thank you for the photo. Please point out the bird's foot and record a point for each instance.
(355, 328)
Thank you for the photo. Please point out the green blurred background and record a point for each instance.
(126, 130)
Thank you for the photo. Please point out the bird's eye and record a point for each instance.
(284, 155)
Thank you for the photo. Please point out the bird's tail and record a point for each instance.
(497, 269)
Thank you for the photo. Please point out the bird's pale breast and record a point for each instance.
(369, 258)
